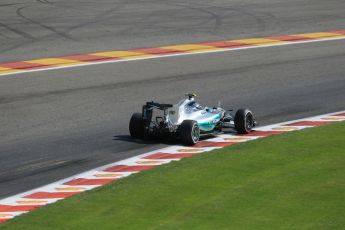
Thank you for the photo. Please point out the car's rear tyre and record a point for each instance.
(244, 121)
(189, 132)
(137, 126)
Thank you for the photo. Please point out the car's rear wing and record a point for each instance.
(149, 106)
(155, 105)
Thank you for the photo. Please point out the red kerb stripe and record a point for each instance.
(338, 31)
(50, 195)
(261, 133)
(88, 58)
(83, 181)
(3, 220)
(308, 123)
(339, 115)
(289, 38)
(168, 156)
(22, 65)
(203, 144)
(155, 51)
(127, 168)
(18, 208)
(222, 44)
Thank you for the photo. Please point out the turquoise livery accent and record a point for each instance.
(209, 123)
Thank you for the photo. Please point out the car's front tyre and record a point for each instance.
(244, 121)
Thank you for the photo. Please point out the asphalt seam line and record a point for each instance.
(55, 63)
(16, 205)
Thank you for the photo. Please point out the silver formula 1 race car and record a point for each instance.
(187, 120)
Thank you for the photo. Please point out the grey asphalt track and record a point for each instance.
(61, 122)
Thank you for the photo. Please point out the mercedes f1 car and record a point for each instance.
(187, 120)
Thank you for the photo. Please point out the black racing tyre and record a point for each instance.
(137, 126)
(244, 121)
(189, 132)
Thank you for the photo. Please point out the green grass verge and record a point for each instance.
(289, 181)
